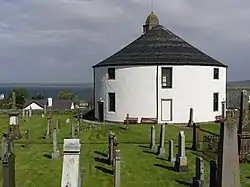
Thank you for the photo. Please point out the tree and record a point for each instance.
(67, 95)
(21, 95)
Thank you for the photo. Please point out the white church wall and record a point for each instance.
(134, 89)
(193, 87)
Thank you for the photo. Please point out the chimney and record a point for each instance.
(49, 102)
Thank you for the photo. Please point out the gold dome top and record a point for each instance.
(152, 19)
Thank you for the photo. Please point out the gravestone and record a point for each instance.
(171, 151)
(181, 164)
(111, 147)
(117, 174)
(14, 131)
(30, 112)
(228, 159)
(72, 131)
(78, 127)
(27, 138)
(45, 110)
(47, 136)
(152, 137)
(199, 173)
(161, 147)
(71, 175)
(191, 117)
(115, 144)
(56, 153)
(23, 116)
(244, 122)
(213, 174)
(8, 163)
(195, 141)
(4, 147)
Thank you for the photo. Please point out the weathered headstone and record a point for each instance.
(111, 148)
(228, 159)
(199, 173)
(117, 174)
(45, 110)
(171, 151)
(9, 170)
(27, 138)
(152, 137)
(213, 174)
(161, 147)
(181, 164)
(23, 116)
(30, 111)
(191, 117)
(244, 123)
(195, 141)
(47, 130)
(56, 153)
(115, 144)
(4, 147)
(72, 130)
(71, 175)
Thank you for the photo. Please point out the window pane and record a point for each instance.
(167, 77)
(111, 102)
(111, 73)
(216, 102)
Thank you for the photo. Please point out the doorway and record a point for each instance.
(166, 110)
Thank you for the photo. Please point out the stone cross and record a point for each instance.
(152, 137)
(228, 159)
(56, 153)
(213, 174)
(72, 130)
(181, 164)
(195, 141)
(27, 138)
(13, 100)
(191, 117)
(71, 175)
(171, 151)
(111, 147)
(8, 163)
(161, 148)
(199, 173)
(117, 175)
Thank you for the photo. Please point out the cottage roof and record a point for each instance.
(56, 104)
(159, 46)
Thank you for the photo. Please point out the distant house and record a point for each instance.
(55, 105)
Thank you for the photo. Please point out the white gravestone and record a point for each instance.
(71, 163)
(13, 120)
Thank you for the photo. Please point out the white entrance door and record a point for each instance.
(166, 109)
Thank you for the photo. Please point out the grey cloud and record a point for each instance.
(60, 40)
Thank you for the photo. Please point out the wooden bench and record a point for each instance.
(149, 120)
(131, 120)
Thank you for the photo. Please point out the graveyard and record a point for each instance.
(139, 165)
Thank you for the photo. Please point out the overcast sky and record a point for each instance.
(60, 40)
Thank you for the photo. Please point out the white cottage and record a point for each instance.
(160, 76)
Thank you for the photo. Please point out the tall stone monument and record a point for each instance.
(71, 175)
(181, 164)
(14, 131)
(228, 159)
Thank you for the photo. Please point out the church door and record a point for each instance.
(166, 110)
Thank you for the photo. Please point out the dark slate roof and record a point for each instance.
(159, 46)
(41, 103)
(56, 104)
(61, 104)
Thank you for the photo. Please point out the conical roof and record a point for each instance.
(159, 46)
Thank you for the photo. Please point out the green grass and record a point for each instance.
(139, 166)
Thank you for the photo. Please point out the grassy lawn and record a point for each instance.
(140, 167)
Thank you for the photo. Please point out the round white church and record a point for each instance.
(159, 76)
